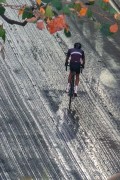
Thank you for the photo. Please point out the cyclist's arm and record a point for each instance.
(67, 57)
(83, 58)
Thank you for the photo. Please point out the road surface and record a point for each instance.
(40, 138)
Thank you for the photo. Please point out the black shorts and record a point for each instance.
(75, 66)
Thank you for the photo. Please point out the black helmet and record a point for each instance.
(77, 45)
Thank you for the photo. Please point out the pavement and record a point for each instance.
(40, 138)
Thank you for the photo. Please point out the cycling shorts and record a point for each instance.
(75, 66)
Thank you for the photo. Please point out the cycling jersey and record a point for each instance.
(76, 55)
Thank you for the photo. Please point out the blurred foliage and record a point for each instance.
(2, 33)
(54, 12)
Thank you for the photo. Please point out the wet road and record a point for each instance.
(39, 137)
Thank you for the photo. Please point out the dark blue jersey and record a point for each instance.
(76, 55)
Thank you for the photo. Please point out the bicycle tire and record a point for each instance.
(70, 100)
(71, 92)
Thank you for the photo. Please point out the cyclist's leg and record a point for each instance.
(76, 84)
(69, 78)
(77, 79)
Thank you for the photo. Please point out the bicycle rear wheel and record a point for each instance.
(70, 102)
(71, 92)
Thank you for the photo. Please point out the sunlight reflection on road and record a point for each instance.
(108, 79)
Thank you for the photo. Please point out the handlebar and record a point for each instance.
(67, 66)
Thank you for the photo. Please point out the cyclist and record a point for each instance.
(77, 60)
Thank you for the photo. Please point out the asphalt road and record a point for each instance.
(40, 138)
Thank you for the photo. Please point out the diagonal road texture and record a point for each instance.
(39, 138)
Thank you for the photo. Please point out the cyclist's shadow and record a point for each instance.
(67, 128)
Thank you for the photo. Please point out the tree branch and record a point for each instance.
(10, 21)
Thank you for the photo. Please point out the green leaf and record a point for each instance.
(91, 2)
(77, 7)
(66, 10)
(71, 5)
(49, 13)
(105, 29)
(67, 33)
(2, 34)
(2, 10)
(99, 2)
(57, 4)
(103, 5)
(46, 1)
(112, 10)
(2, 1)
(27, 13)
(89, 13)
(97, 25)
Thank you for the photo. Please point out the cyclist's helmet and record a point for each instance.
(77, 45)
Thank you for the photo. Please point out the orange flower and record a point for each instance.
(83, 11)
(114, 28)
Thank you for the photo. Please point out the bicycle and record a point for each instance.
(72, 85)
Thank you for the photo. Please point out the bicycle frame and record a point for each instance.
(71, 91)
(72, 84)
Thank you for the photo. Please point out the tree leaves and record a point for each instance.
(89, 13)
(57, 4)
(2, 1)
(105, 29)
(106, 6)
(117, 16)
(112, 10)
(2, 10)
(106, 1)
(66, 10)
(47, 1)
(67, 33)
(40, 24)
(21, 11)
(77, 7)
(56, 24)
(49, 13)
(108, 30)
(83, 11)
(91, 2)
(2, 33)
(114, 28)
(28, 13)
(46, 14)
(38, 2)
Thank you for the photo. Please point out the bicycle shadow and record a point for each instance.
(54, 97)
(67, 121)
(67, 128)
